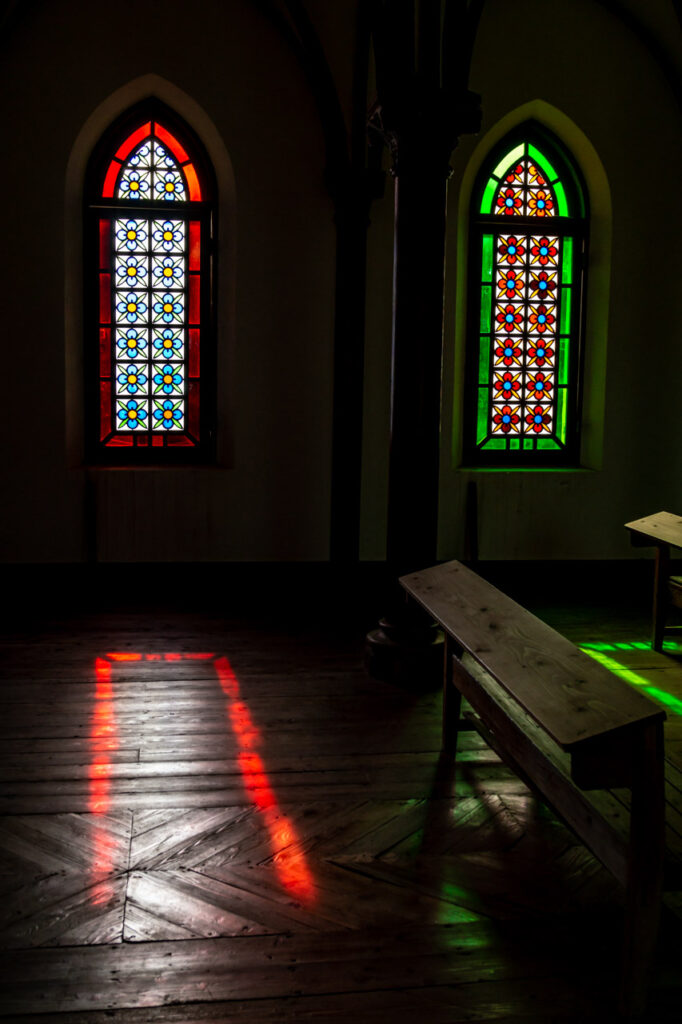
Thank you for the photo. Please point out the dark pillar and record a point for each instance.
(421, 173)
(420, 120)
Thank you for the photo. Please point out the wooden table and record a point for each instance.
(662, 530)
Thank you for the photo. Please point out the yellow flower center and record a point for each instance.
(134, 185)
(168, 379)
(132, 271)
(168, 307)
(167, 271)
(167, 343)
(131, 307)
(132, 235)
(132, 378)
(168, 236)
(167, 414)
(170, 187)
(132, 414)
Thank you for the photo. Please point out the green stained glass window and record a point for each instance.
(528, 234)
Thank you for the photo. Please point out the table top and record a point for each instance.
(661, 527)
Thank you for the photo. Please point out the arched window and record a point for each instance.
(150, 379)
(527, 254)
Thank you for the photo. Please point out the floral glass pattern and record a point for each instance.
(521, 382)
(150, 286)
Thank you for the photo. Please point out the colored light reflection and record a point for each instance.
(289, 862)
(596, 651)
(103, 739)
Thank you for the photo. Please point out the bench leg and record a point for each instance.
(452, 698)
(645, 871)
(661, 574)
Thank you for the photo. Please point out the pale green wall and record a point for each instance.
(582, 72)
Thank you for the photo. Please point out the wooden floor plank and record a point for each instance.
(150, 873)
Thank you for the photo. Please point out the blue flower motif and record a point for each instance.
(140, 156)
(169, 270)
(134, 185)
(169, 186)
(133, 378)
(169, 235)
(168, 307)
(168, 413)
(132, 271)
(132, 234)
(132, 414)
(132, 342)
(162, 156)
(168, 342)
(167, 378)
(132, 307)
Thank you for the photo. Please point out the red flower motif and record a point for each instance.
(542, 284)
(510, 201)
(509, 317)
(534, 176)
(511, 249)
(515, 174)
(539, 419)
(540, 352)
(510, 284)
(540, 203)
(506, 419)
(540, 319)
(539, 386)
(544, 251)
(507, 384)
(507, 352)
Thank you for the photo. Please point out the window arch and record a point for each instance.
(150, 378)
(528, 237)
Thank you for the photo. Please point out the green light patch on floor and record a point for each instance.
(596, 651)
(669, 646)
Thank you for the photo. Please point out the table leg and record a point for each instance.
(661, 575)
(452, 699)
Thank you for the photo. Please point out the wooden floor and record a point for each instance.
(208, 818)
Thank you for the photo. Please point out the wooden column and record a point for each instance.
(421, 171)
(422, 108)
(352, 197)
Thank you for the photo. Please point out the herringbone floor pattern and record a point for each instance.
(217, 825)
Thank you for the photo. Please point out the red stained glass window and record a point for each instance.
(151, 219)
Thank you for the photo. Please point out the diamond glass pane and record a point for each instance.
(522, 395)
(152, 172)
(150, 292)
(524, 191)
(150, 296)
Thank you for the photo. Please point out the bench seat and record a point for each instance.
(578, 735)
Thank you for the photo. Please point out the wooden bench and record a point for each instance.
(567, 726)
(661, 530)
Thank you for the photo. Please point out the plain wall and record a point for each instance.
(70, 65)
(269, 496)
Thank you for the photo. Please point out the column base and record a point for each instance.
(406, 653)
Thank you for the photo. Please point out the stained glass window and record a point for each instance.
(150, 222)
(523, 357)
